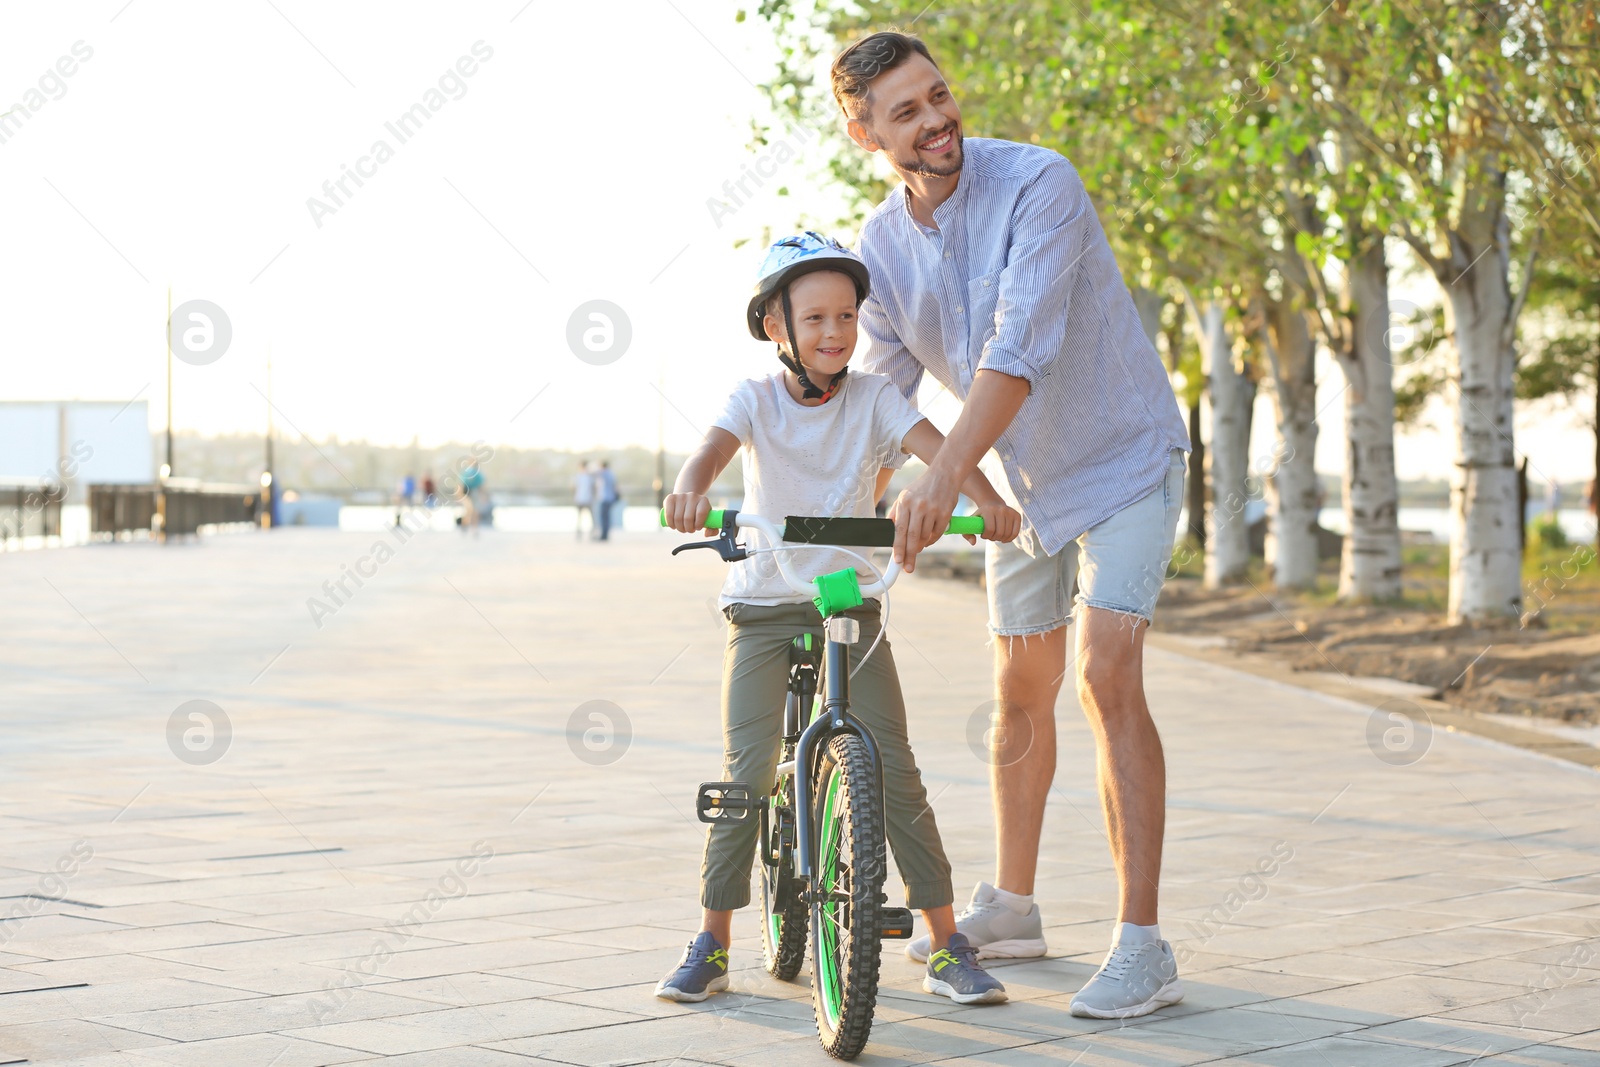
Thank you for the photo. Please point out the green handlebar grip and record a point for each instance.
(713, 520)
(966, 524)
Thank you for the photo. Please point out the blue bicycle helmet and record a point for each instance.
(786, 260)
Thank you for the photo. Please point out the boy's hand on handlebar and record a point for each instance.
(1000, 522)
(686, 512)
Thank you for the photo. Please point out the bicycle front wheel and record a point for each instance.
(845, 946)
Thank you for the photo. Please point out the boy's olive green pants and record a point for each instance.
(755, 679)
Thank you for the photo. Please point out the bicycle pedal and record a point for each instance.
(735, 801)
(894, 923)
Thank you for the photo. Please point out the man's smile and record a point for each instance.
(938, 143)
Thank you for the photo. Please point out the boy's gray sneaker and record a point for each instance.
(997, 932)
(704, 971)
(1134, 980)
(954, 972)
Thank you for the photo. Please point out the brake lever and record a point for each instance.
(724, 544)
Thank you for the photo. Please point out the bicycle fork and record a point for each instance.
(835, 719)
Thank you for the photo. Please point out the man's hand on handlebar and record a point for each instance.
(921, 514)
(686, 512)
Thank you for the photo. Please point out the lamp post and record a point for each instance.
(269, 492)
(661, 432)
(166, 468)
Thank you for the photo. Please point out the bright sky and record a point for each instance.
(574, 163)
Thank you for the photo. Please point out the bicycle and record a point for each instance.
(823, 862)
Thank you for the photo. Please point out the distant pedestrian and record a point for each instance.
(474, 497)
(430, 496)
(583, 496)
(405, 496)
(608, 498)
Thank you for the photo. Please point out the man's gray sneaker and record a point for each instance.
(704, 971)
(1134, 980)
(997, 932)
(954, 972)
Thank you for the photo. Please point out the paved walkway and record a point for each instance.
(420, 844)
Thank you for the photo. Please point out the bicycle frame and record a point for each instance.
(835, 718)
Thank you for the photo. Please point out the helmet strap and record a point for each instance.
(808, 388)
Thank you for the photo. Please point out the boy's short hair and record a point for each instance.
(857, 66)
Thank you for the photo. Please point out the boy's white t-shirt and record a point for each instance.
(800, 460)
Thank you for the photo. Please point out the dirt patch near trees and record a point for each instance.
(1536, 669)
(1545, 665)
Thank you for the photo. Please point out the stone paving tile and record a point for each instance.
(1463, 1037)
(687, 1038)
(1343, 967)
(89, 1001)
(308, 922)
(292, 978)
(1250, 1028)
(1440, 948)
(147, 940)
(1375, 1003)
(1562, 1055)
(631, 937)
(601, 968)
(278, 1050)
(1326, 1050)
(475, 1056)
(1569, 1008)
(498, 956)
(54, 1039)
(1524, 974)
(260, 1015)
(119, 968)
(1132, 1047)
(380, 1037)
(473, 987)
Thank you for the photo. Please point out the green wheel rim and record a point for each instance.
(828, 932)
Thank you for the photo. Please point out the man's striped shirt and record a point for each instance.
(1019, 278)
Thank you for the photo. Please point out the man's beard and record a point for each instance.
(923, 169)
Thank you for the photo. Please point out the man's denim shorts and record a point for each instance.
(1124, 563)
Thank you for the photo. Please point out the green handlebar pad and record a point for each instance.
(713, 520)
(966, 524)
(837, 592)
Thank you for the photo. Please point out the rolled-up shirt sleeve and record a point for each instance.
(1053, 216)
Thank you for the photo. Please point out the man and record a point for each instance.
(991, 272)
(583, 496)
(606, 497)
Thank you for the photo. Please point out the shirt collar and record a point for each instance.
(945, 211)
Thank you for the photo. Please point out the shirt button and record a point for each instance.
(960, 310)
(947, 255)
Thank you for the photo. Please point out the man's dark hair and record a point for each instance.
(856, 67)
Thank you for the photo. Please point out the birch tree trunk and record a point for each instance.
(1485, 563)
(1292, 490)
(1229, 396)
(1370, 566)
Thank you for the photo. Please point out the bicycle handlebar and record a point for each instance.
(959, 524)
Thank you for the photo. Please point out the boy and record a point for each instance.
(815, 450)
